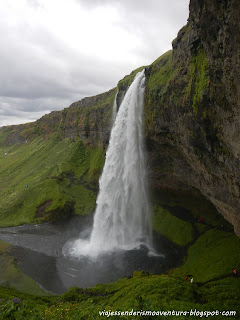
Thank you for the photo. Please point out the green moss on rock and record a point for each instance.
(159, 75)
(178, 231)
(161, 72)
(215, 254)
(199, 80)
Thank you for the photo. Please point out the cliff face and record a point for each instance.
(192, 109)
(89, 119)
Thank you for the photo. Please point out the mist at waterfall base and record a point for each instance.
(37, 251)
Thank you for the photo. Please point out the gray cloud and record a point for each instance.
(34, 3)
(41, 72)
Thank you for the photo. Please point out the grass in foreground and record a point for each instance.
(142, 292)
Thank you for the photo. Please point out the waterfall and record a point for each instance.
(122, 218)
(114, 112)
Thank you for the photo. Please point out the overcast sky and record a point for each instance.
(55, 52)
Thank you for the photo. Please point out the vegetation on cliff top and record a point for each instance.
(124, 83)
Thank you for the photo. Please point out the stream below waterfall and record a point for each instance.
(37, 250)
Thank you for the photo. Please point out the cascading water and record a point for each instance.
(114, 112)
(122, 219)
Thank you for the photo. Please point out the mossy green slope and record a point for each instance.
(212, 249)
(178, 231)
(215, 254)
(63, 172)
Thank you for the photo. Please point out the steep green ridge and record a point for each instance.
(62, 174)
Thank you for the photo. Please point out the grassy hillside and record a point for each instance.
(46, 179)
(215, 253)
(50, 168)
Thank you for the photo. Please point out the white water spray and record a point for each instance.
(122, 219)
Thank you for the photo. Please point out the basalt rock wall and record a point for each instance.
(192, 109)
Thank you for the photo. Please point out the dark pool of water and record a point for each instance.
(38, 252)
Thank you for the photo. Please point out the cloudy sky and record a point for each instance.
(55, 52)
